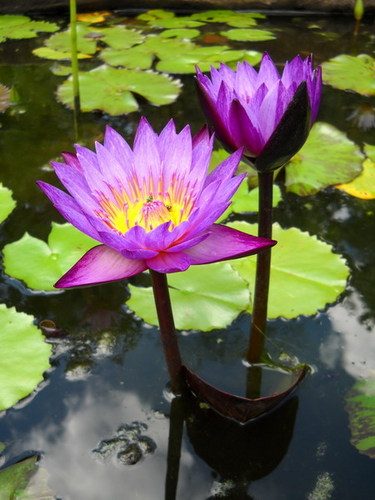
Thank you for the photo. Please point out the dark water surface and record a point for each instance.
(102, 419)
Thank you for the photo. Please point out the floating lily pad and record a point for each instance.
(327, 158)
(175, 22)
(17, 27)
(7, 204)
(360, 405)
(203, 297)
(93, 17)
(120, 37)
(363, 186)
(133, 58)
(248, 35)
(305, 274)
(187, 33)
(15, 478)
(245, 200)
(230, 17)
(24, 356)
(40, 264)
(153, 14)
(351, 73)
(111, 90)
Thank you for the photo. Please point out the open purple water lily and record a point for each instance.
(153, 206)
(263, 112)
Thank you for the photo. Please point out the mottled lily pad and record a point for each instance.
(7, 204)
(305, 274)
(203, 297)
(40, 264)
(351, 73)
(111, 90)
(24, 356)
(327, 158)
(17, 27)
(363, 186)
(248, 35)
(360, 405)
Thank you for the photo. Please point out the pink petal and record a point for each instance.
(100, 265)
(226, 243)
(169, 262)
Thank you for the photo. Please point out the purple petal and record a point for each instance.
(101, 264)
(117, 146)
(72, 160)
(169, 262)
(226, 243)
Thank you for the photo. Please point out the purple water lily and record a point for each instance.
(153, 206)
(245, 107)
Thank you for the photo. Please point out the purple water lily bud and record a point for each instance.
(152, 206)
(266, 113)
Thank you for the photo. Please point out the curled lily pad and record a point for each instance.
(351, 73)
(7, 204)
(24, 356)
(302, 282)
(40, 264)
(18, 27)
(327, 158)
(203, 298)
(111, 90)
(248, 35)
(360, 405)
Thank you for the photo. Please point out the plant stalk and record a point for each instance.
(167, 329)
(74, 59)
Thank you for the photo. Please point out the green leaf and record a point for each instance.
(363, 186)
(39, 264)
(175, 23)
(360, 405)
(248, 35)
(328, 157)
(180, 33)
(119, 37)
(24, 356)
(133, 58)
(7, 204)
(246, 200)
(230, 17)
(351, 73)
(111, 90)
(18, 27)
(203, 297)
(153, 14)
(56, 55)
(15, 478)
(305, 274)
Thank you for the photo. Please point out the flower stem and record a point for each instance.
(259, 315)
(167, 329)
(74, 58)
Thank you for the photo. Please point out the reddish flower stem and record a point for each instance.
(259, 315)
(167, 329)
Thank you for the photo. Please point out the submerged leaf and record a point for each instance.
(305, 274)
(351, 73)
(39, 264)
(5, 98)
(328, 157)
(203, 297)
(111, 90)
(24, 356)
(7, 204)
(360, 405)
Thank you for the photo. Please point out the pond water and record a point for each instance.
(102, 421)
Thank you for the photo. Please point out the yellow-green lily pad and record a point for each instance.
(18, 27)
(248, 35)
(7, 204)
(347, 72)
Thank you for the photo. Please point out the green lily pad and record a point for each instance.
(40, 264)
(248, 35)
(133, 58)
(15, 478)
(328, 157)
(230, 17)
(61, 42)
(56, 55)
(351, 73)
(24, 356)
(360, 405)
(153, 14)
(7, 204)
(203, 298)
(245, 200)
(305, 274)
(180, 33)
(111, 90)
(17, 27)
(120, 37)
(363, 186)
(176, 22)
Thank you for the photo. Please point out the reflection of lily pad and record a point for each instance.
(203, 297)
(363, 186)
(230, 17)
(18, 27)
(351, 73)
(305, 274)
(7, 203)
(248, 35)
(360, 405)
(327, 158)
(111, 90)
(24, 356)
(39, 264)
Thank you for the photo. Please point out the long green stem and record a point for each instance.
(74, 56)
(167, 329)
(259, 315)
